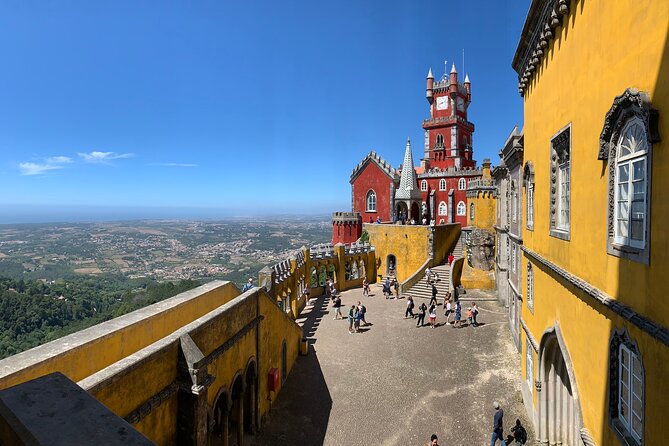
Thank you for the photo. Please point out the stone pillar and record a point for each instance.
(266, 278)
(293, 287)
(194, 381)
(340, 258)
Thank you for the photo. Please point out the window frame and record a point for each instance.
(445, 213)
(620, 344)
(461, 210)
(370, 193)
(423, 185)
(442, 184)
(560, 183)
(514, 201)
(529, 363)
(529, 298)
(630, 106)
(462, 184)
(471, 211)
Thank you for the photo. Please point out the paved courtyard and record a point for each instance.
(395, 384)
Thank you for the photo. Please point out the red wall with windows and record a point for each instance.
(442, 195)
(372, 177)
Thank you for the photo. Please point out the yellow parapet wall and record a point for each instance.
(85, 352)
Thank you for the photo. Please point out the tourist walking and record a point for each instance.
(422, 308)
(365, 287)
(433, 440)
(351, 316)
(328, 289)
(433, 299)
(337, 306)
(449, 310)
(409, 311)
(386, 288)
(458, 315)
(396, 284)
(428, 275)
(469, 315)
(497, 425)
(247, 286)
(475, 312)
(362, 310)
(433, 315)
(358, 318)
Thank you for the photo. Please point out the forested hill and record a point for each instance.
(35, 312)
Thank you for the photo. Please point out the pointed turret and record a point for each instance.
(429, 94)
(453, 85)
(468, 88)
(408, 189)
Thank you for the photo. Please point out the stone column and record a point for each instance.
(340, 256)
(194, 380)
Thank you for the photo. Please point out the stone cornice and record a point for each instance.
(530, 336)
(542, 20)
(598, 297)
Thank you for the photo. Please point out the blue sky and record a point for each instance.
(235, 107)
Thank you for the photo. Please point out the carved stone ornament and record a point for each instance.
(631, 103)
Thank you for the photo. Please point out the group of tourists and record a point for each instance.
(391, 286)
(450, 309)
(517, 435)
(355, 315)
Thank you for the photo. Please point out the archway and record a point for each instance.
(250, 403)
(415, 212)
(558, 411)
(236, 428)
(220, 414)
(402, 212)
(391, 265)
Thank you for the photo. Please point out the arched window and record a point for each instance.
(462, 184)
(471, 211)
(423, 186)
(631, 185)
(440, 141)
(371, 201)
(462, 209)
(442, 184)
(443, 209)
(626, 391)
(514, 202)
(528, 181)
(530, 286)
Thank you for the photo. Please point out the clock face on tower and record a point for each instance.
(442, 102)
(461, 104)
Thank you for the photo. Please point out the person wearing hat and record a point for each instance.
(497, 425)
(248, 285)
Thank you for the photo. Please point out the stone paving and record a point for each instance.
(394, 383)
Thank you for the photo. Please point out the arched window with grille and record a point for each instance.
(462, 209)
(471, 211)
(462, 184)
(423, 186)
(442, 184)
(443, 209)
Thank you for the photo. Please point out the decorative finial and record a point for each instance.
(429, 74)
(453, 69)
(467, 79)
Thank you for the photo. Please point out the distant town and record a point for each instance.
(233, 249)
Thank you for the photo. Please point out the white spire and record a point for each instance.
(467, 79)
(453, 69)
(429, 74)
(408, 188)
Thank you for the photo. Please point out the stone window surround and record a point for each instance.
(444, 207)
(530, 287)
(471, 211)
(423, 185)
(529, 364)
(462, 184)
(514, 201)
(629, 105)
(370, 193)
(554, 230)
(528, 183)
(442, 184)
(618, 337)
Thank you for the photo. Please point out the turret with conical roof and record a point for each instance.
(429, 94)
(408, 189)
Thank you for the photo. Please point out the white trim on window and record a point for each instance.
(471, 211)
(462, 184)
(630, 392)
(443, 209)
(371, 201)
(529, 364)
(462, 208)
(423, 185)
(442, 184)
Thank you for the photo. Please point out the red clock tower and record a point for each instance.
(448, 133)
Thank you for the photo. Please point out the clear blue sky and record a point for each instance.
(244, 107)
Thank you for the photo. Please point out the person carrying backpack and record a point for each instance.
(421, 315)
(519, 433)
(410, 306)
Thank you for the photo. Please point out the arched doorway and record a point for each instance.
(391, 265)
(402, 212)
(558, 411)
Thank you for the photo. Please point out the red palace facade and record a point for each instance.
(446, 168)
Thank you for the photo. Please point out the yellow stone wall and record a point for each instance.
(603, 48)
(83, 353)
(485, 210)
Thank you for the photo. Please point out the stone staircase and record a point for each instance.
(422, 291)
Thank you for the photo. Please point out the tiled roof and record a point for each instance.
(408, 188)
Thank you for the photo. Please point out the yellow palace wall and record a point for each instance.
(603, 48)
